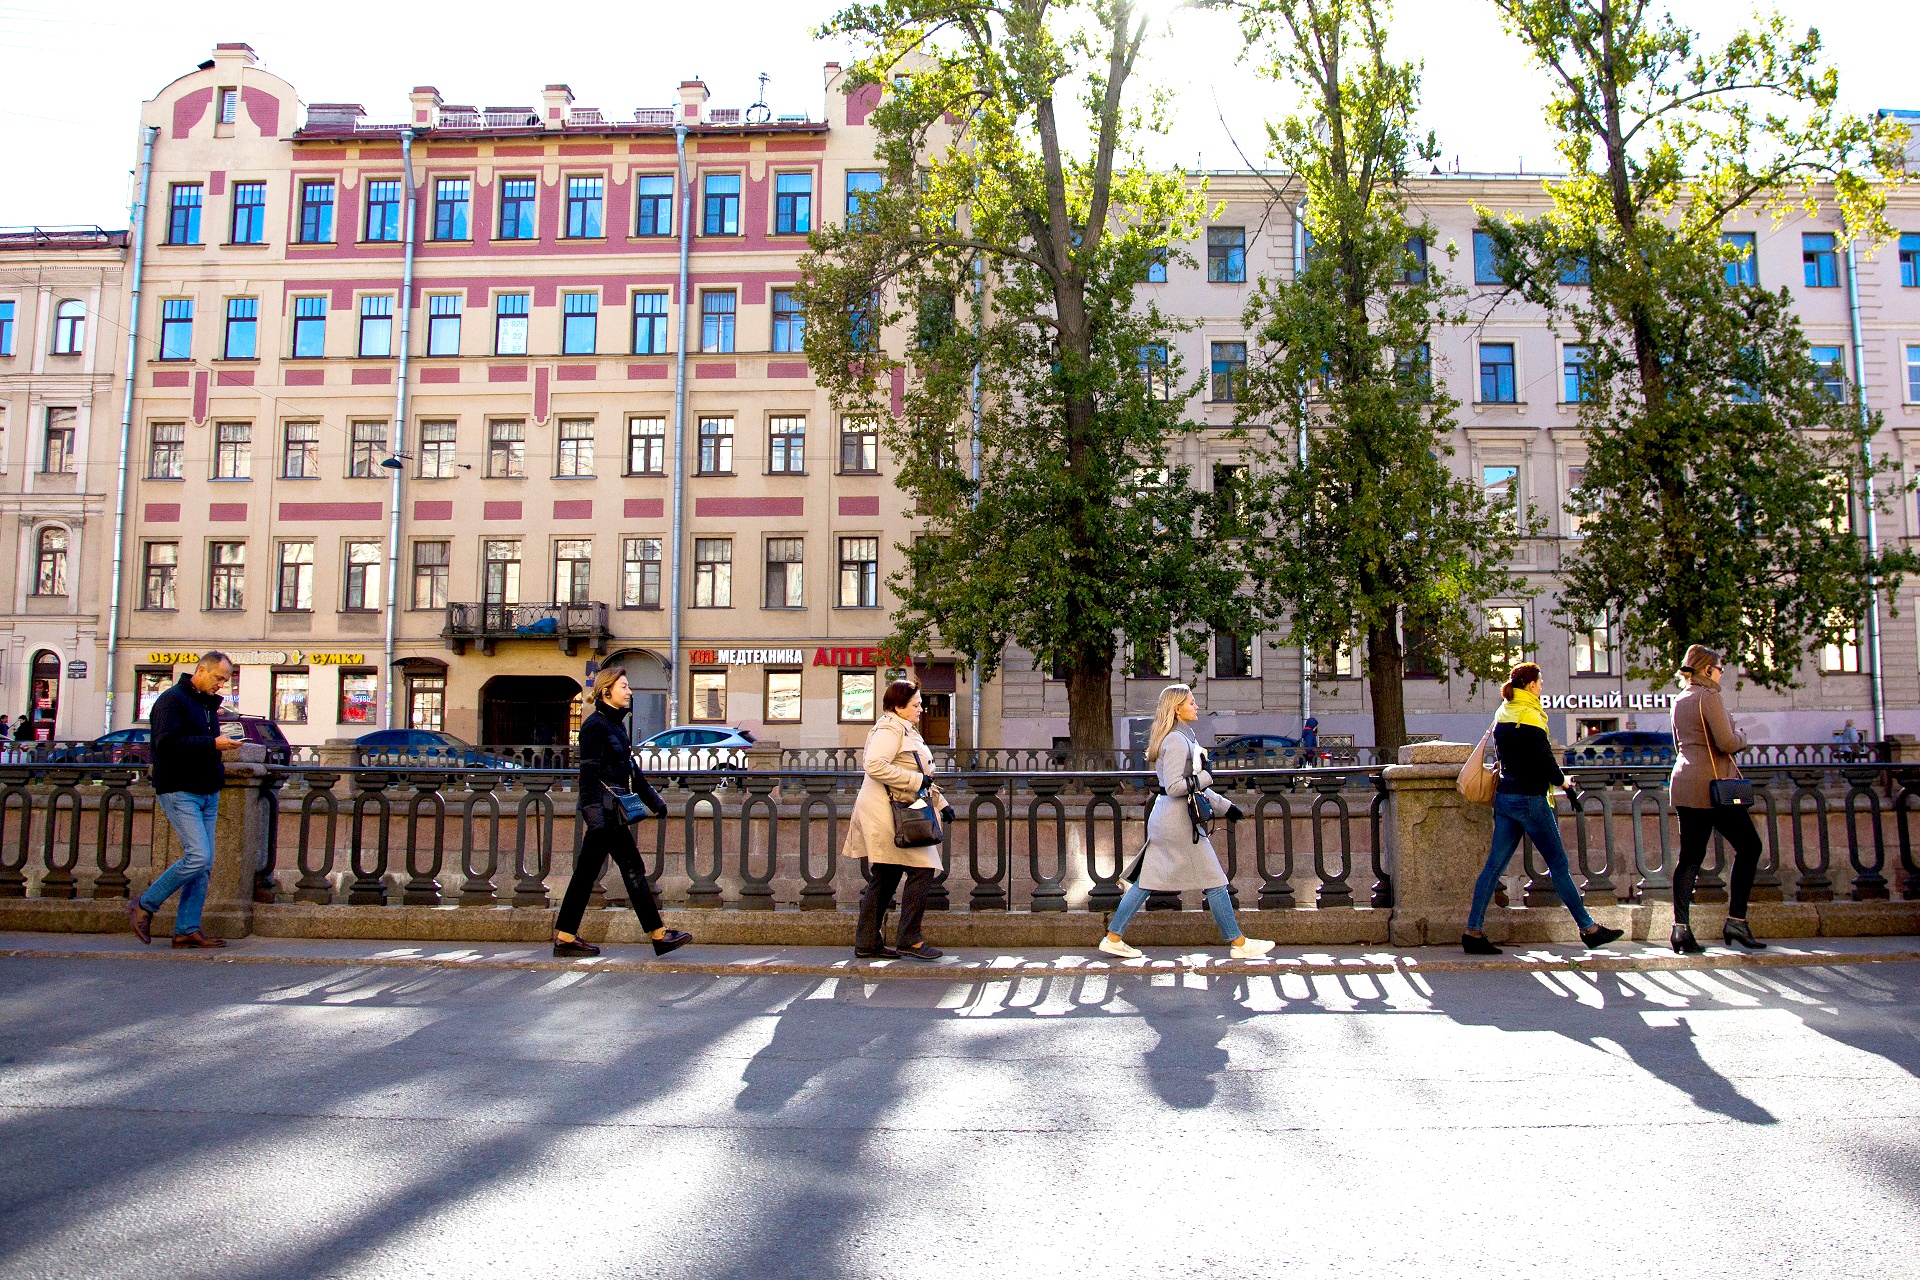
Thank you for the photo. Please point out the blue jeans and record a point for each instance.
(1218, 902)
(192, 816)
(1532, 815)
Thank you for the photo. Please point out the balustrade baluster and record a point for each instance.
(316, 878)
(1049, 889)
(1105, 789)
(116, 797)
(1869, 878)
(705, 889)
(756, 891)
(535, 811)
(1334, 890)
(816, 893)
(1905, 801)
(369, 887)
(1276, 884)
(58, 881)
(477, 889)
(15, 792)
(989, 891)
(423, 882)
(1814, 884)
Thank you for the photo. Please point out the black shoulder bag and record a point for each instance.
(1199, 808)
(916, 823)
(1723, 793)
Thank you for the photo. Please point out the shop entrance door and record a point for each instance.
(43, 704)
(936, 718)
(524, 711)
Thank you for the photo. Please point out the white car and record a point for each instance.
(696, 747)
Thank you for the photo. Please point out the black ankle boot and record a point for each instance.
(1475, 944)
(1737, 931)
(1683, 940)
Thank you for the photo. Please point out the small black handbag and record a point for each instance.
(1199, 807)
(1723, 793)
(916, 823)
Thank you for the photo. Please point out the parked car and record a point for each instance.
(1622, 746)
(261, 732)
(425, 747)
(693, 746)
(122, 746)
(1257, 751)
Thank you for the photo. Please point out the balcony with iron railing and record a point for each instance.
(486, 624)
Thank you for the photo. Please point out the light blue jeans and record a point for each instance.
(192, 816)
(1533, 815)
(1218, 901)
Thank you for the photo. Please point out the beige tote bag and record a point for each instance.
(1479, 780)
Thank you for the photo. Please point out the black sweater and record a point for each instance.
(606, 759)
(1527, 766)
(185, 722)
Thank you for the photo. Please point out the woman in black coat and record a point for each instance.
(606, 767)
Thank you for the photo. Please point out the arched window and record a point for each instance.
(69, 328)
(50, 562)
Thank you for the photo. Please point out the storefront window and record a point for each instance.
(148, 684)
(783, 697)
(426, 702)
(230, 696)
(856, 697)
(290, 697)
(709, 696)
(359, 691)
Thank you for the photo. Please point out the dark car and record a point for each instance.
(1622, 746)
(1257, 751)
(425, 747)
(122, 746)
(260, 732)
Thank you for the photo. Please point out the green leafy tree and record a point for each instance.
(1722, 463)
(1370, 534)
(996, 271)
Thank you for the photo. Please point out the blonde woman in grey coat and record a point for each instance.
(1179, 855)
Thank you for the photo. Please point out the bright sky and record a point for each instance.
(72, 77)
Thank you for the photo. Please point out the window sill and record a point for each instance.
(148, 608)
(313, 244)
(715, 475)
(786, 475)
(238, 360)
(585, 475)
(1499, 404)
(449, 240)
(245, 244)
(858, 473)
(359, 610)
(166, 479)
(396, 242)
(229, 479)
(582, 239)
(644, 475)
(638, 608)
(178, 244)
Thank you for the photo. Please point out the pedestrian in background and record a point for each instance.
(1179, 855)
(607, 772)
(897, 762)
(1705, 740)
(1310, 741)
(187, 777)
(1521, 806)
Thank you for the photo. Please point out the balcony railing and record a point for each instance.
(487, 624)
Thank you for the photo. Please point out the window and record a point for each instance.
(176, 329)
(518, 201)
(426, 701)
(1232, 656)
(437, 440)
(1501, 485)
(506, 450)
(1840, 499)
(1229, 370)
(1576, 269)
(586, 208)
(1910, 262)
(300, 451)
(316, 213)
(243, 329)
(572, 570)
(363, 577)
(229, 106)
(1743, 266)
(309, 328)
(183, 214)
(227, 576)
(290, 697)
(576, 447)
(383, 210)
(1229, 493)
(376, 326)
(1507, 628)
(1818, 261)
(500, 571)
(167, 452)
(57, 457)
(792, 204)
(1157, 265)
(1577, 514)
(249, 213)
(654, 196)
(862, 332)
(787, 446)
(716, 446)
(70, 327)
(646, 446)
(1496, 373)
(148, 684)
(579, 335)
(1156, 368)
(639, 573)
(510, 324)
(1150, 659)
(1831, 362)
(783, 696)
(649, 324)
(1593, 648)
(1573, 369)
(359, 697)
(859, 446)
(233, 451)
(861, 185)
(784, 566)
(159, 572)
(1414, 368)
(1913, 375)
(432, 564)
(443, 324)
(1227, 255)
(50, 562)
(1415, 270)
(452, 202)
(368, 440)
(712, 573)
(716, 320)
(720, 209)
(856, 697)
(1841, 656)
(709, 703)
(6, 328)
(859, 573)
(789, 322)
(294, 593)
(1490, 266)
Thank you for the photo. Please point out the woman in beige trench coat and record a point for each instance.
(1705, 740)
(895, 760)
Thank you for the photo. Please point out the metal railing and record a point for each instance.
(1031, 759)
(567, 623)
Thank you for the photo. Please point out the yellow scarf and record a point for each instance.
(1523, 708)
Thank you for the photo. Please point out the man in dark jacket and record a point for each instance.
(187, 777)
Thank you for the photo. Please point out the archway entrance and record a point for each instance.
(529, 710)
(43, 700)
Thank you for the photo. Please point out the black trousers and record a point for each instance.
(878, 899)
(615, 838)
(1696, 831)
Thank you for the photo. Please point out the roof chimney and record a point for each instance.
(425, 105)
(693, 101)
(555, 100)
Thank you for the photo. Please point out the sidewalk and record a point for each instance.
(960, 965)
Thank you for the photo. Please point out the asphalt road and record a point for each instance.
(262, 1120)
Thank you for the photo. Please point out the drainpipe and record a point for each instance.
(399, 429)
(138, 232)
(1877, 691)
(973, 444)
(679, 431)
(1299, 269)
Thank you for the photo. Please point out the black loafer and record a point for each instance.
(578, 949)
(875, 953)
(1599, 936)
(922, 951)
(1477, 945)
(675, 939)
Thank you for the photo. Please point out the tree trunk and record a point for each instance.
(1090, 704)
(1386, 682)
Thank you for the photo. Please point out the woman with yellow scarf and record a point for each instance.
(1520, 806)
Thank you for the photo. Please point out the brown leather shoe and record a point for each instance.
(141, 921)
(197, 941)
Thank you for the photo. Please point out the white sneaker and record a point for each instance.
(1121, 949)
(1252, 949)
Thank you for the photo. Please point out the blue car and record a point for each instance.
(1622, 747)
(425, 747)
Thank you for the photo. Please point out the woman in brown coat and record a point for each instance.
(1705, 740)
(895, 761)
